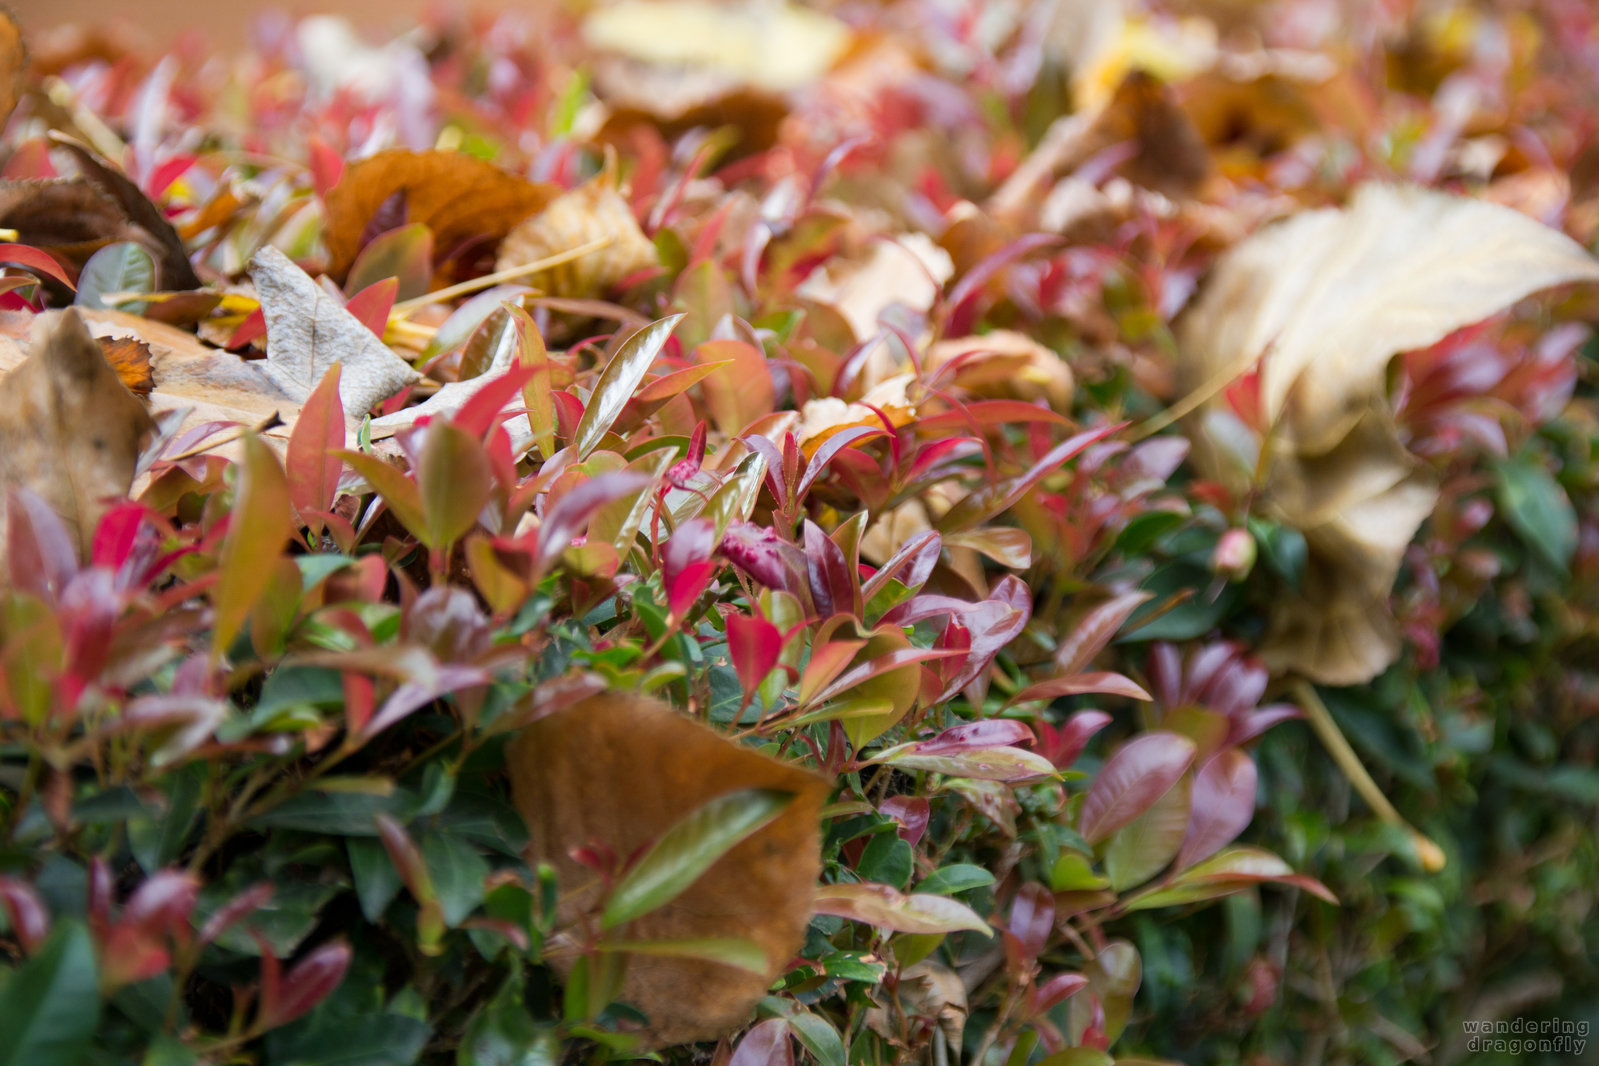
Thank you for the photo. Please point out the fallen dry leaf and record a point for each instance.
(308, 331)
(131, 360)
(1003, 363)
(908, 269)
(69, 217)
(462, 199)
(621, 769)
(1333, 294)
(1317, 306)
(594, 209)
(69, 431)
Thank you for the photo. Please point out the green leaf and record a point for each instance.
(957, 877)
(457, 872)
(377, 882)
(258, 528)
(332, 1040)
(1538, 509)
(454, 480)
(688, 849)
(888, 859)
(50, 1007)
(120, 267)
(167, 1050)
(728, 950)
(1141, 848)
(816, 1033)
(502, 1034)
(618, 381)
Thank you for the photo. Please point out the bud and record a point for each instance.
(1234, 556)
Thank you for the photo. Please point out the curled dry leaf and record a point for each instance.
(462, 199)
(1004, 363)
(1317, 306)
(621, 770)
(69, 217)
(594, 209)
(70, 432)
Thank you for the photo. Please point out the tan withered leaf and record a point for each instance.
(621, 769)
(69, 431)
(459, 197)
(1003, 363)
(1319, 305)
(594, 209)
(1331, 295)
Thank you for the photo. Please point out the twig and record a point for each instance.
(488, 281)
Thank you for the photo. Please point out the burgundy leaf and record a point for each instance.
(1032, 918)
(309, 982)
(831, 447)
(993, 624)
(831, 587)
(911, 565)
(568, 516)
(40, 552)
(1095, 631)
(1105, 683)
(1223, 803)
(691, 545)
(989, 733)
(766, 557)
(1047, 994)
(1130, 782)
(911, 812)
(988, 500)
(163, 904)
(235, 910)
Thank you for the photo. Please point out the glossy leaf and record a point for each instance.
(1224, 803)
(1130, 782)
(312, 462)
(688, 849)
(49, 1007)
(258, 528)
(887, 908)
(618, 381)
(454, 482)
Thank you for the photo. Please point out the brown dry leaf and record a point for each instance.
(821, 418)
(1318, 305)
(593, 210)
(1005, 364)
(908, 269)
(69, 431)
(621, 769)
(13, 64)
(69, 217)
(461, 198)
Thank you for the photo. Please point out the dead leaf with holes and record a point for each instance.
(1317, 306)
(619, 770)
(469, 204)
(70, 432)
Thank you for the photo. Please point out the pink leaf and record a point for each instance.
(311, 462)
(911, 812)
(327, 166)
(486, 409)
(29, 919)
(1062, 745)
(1032, 918)
(371, 306)
(40, 554)
(767, 1044)
(309, 982)
(1105, 683)
(1095, 631)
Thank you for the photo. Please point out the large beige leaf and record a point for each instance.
(1324, 300)
(308, 331)
(620, 769)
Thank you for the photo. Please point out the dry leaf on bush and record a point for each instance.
(70, 432)
(460, 198)
(593, 210)
(1003, 363)
(620, 770)
(1318, 305)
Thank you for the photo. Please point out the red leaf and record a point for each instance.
(1223, 803)
(486, 409)
(831, 447)
(39, 554)
(1105, 683)
(1062, 745)
(116, 534)
(252, 329)
(1095, 630)
(1032, 918)
(1047, 994)
(372, 304)
(911, 812)
(1131, 781)
(312, 460)
(257, 530)
(989, 733)
(754, 645)
(327, 166)
(36, 260)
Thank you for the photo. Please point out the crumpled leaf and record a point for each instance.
(70, 432)
(461, 198)
(594, 209)
(308, 331)
(620, 769)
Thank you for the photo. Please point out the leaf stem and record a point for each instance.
(488, 281)
(1428, 853)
